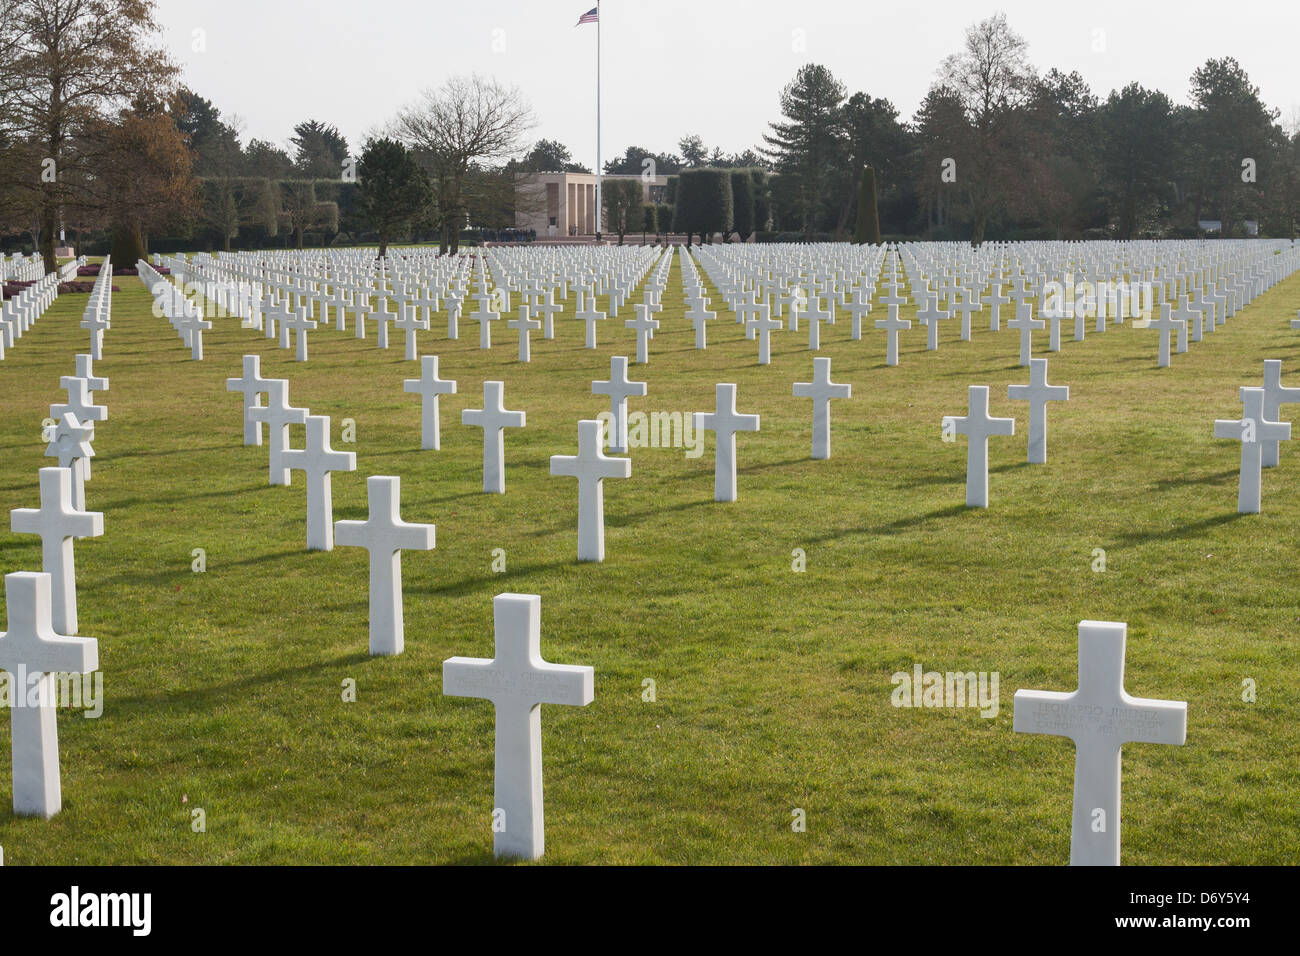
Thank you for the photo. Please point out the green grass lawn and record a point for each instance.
(223, 689)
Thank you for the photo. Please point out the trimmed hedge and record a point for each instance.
(868, 225)
(704, 204)
(742, 203)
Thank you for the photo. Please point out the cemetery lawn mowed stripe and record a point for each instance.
(223, 689)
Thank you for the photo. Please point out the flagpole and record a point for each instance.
(599, 209)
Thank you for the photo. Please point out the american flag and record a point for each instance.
(589, 17)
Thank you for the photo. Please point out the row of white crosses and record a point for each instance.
(18, 314)
(183, 314)
(98, 316)
(384, 534)
(287, 307)
(40, 638)
(21, 268)
(517, 681)
(1209, 286)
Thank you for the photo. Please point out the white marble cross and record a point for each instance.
(1053, 313)
(360, 311)
(1100, 717)
(1165, 324)
(816, 315)
(591, 467)
(1026, 326)
(546, 308)
(318, 460)
(410, 323)
(821, 390)
(278, 415)
(518, 681)
(278, 311)
(892, 326)
(524, 325)
(858, 307)
(58, 522)
(97, 323)
(484, 316)
(1252, 430)
(724, 421)
(192, 325)
(645, 328)
(590, 316)
(32, 650)
(1192, 319)
(494, 419)
(619, 389)
(385, 535)
(70, 444)
(252, 386)
(978, 427)
(382, 317)
(763, 326)
(79, 402)
(1275, 396)
(930, 316)
(1038, 393)
(298, 322)
(966, 307)
(86, 370)
(699, 316)
(995, 300)
(429, 386)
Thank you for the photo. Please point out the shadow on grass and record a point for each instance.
(182, 570)
(188, 450)
(201, 695)
(764, 466)
(181, 499)
(1182, 531)
(902, 524)
(1215, 479)
(958, 477)
(471, 584)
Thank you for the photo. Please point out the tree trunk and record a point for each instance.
(127, 244)
(49, 228)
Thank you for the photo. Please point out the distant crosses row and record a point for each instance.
(39, 641)
(1198, 305)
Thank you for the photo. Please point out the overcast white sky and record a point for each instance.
(673, 67)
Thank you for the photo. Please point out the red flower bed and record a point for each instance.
(13, 287)
(80, 287)
(92, 270)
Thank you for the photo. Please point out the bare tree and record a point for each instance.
(467, 124)
(67, 64)
(992, 79)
